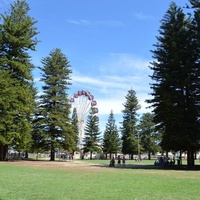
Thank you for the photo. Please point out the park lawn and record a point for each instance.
(96, 183)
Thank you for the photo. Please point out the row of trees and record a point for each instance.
(176, 88)
(28, 121)
(38, 123)
(137, 135)
(32, 122)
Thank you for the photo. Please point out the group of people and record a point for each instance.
(119, 161)
(164, 161)
(64, 157)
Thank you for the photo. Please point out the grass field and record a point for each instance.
(94, 180)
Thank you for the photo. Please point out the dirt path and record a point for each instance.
(80, 165)
(60, 165)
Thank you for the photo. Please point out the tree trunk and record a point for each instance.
(6, 152)
(52, 154)
(149, 156)
(167, 155)
(1, 152)
(26, 154)
(190, 157)
(131, 156)
(90, 155)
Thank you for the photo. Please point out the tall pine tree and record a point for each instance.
(111, 140)
(129, 129)
(91, 141)
(149, 137)
(54, 107)
(17, 39)
(76, 130)
(176, 83)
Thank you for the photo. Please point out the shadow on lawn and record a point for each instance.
(127, 166)
(153, 167)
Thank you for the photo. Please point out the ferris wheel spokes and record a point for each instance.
(83, 101)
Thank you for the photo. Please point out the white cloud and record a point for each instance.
(85, 80)
(37, 79)
(120, 71)
(107, 84)
(106, 105)
(142, 16)
(109, 22)
(78, 22)
(116, 76)
(116, 104)
(125, 64)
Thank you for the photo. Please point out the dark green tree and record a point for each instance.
(195, 4)
(149, 137)
(91, 141)
(39, 143)
(196, 45)
(176, 83)
(75, 129)
(54, 106)
(129, 129)
(8, 97)
(111, 140)
(17, 39)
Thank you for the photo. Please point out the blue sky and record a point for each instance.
(107, 42)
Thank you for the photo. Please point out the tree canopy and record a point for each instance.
(111, 140)
(149, 137)
(129, 129)
(176, 82)
(91, 140)
(54, 106)
(17, 39)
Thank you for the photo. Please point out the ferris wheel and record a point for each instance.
(83, 101)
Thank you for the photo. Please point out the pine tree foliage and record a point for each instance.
(8, 100)
(54, 107)
(111, 140)
(91, 141)
(75, 129)
(129, 129)
(176, 87)
(17, 39)
(195, 3)
(149, 137)
(39, 143)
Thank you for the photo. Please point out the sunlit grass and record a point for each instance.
(98, 183)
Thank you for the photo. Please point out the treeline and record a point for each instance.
(175, 85)
(30, 122)
(138, 134)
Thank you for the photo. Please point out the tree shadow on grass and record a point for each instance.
(127, 166)
(154, 167)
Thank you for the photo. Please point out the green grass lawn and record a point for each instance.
(97, 183)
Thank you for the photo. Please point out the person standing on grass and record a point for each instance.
(112, 162)
(119, 161)
(123, 161)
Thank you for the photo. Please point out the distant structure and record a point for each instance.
(83, 101)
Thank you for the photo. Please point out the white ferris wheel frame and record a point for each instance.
(83, 101)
